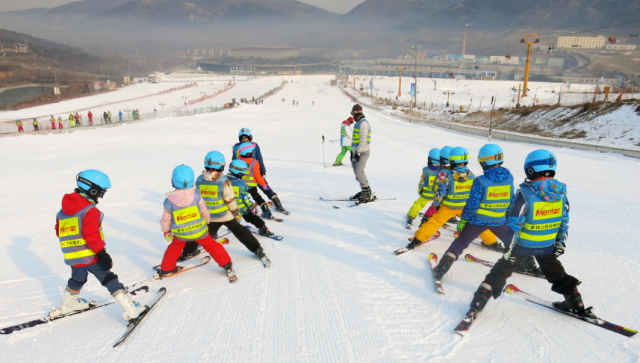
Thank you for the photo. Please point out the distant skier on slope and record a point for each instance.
(217, 192)
(539, 215)
(79, 228)
(426, 186)
(184, 219)
(360, 151)
(237, 170)
(53, 122)
(345, 140)
(452, 191)
(254, 179)
(486, 210)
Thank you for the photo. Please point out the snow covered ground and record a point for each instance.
(335, 292)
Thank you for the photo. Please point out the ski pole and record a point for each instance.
(323, 167)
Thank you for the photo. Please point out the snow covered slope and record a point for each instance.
(335, 292)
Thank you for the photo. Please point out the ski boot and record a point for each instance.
(132, 309)
(444, 266)
(278, 205)
(573, 304)
(189, 252)
(162, 274)
(356, 196)
(230, 273)
(71, 302)
(480, 299)
(366, 196)
(264, 231)
(497, 246)
(266, 213)
(334, 164)
(263, 257)
(529, 266)
(415, 242)
(409, 222)
(423, 221)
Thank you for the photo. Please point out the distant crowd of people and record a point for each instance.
(76, 120)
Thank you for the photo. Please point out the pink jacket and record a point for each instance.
(182, 198)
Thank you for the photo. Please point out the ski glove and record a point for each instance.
(507, 256)
(356, 157)
(105, 259)
(168, 236)
(461, 225)
(560, 248)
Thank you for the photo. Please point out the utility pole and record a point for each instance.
(55, 75)
(399, 68)
(416, 48)
(162, 104)
(529, 40)
(371, 86)
(354, 78)
(464, 40)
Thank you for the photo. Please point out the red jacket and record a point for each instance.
(73, 203)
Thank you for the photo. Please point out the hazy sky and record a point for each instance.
(337, 6)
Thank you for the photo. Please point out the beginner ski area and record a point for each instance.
(335, 291)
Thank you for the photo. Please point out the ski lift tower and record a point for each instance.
(400, 68)
(416, 48)
(529, 40)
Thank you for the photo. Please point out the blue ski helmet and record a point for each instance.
(246, 149)
(214, 160)
(239, 168)
(490, 155)
(444, 155)
(245, 132)
(94, 182)
(182, 177)
(540, 163)
(434, 157)
(458, 156)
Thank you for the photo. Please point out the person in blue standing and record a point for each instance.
(360, 151)
(539, 216)
(120, 115)
(245, 136)
(79, 229)
(486, 209)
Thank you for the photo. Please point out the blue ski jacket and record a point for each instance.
(497, 174)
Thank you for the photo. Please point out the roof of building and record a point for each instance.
(264, 49)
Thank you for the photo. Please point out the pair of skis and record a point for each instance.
(410, 238)
(357, 203)
(131, 325)
(463, 328)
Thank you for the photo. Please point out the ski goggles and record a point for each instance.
(497, 157)
(551, 161)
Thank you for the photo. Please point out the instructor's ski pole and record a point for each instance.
(323, 167)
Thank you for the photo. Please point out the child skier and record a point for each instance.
(486, 210)
(19, 124)
(60, 122)
(184, 219)
(253, 179)
(79, 228)
(345, 140)
(426, 185)
(218, 194)
(539, 215)
(237, 170)
(53, 122)
(452, 191)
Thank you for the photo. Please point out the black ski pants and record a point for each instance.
(549, 264)
(254, 219)
(242, 234)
